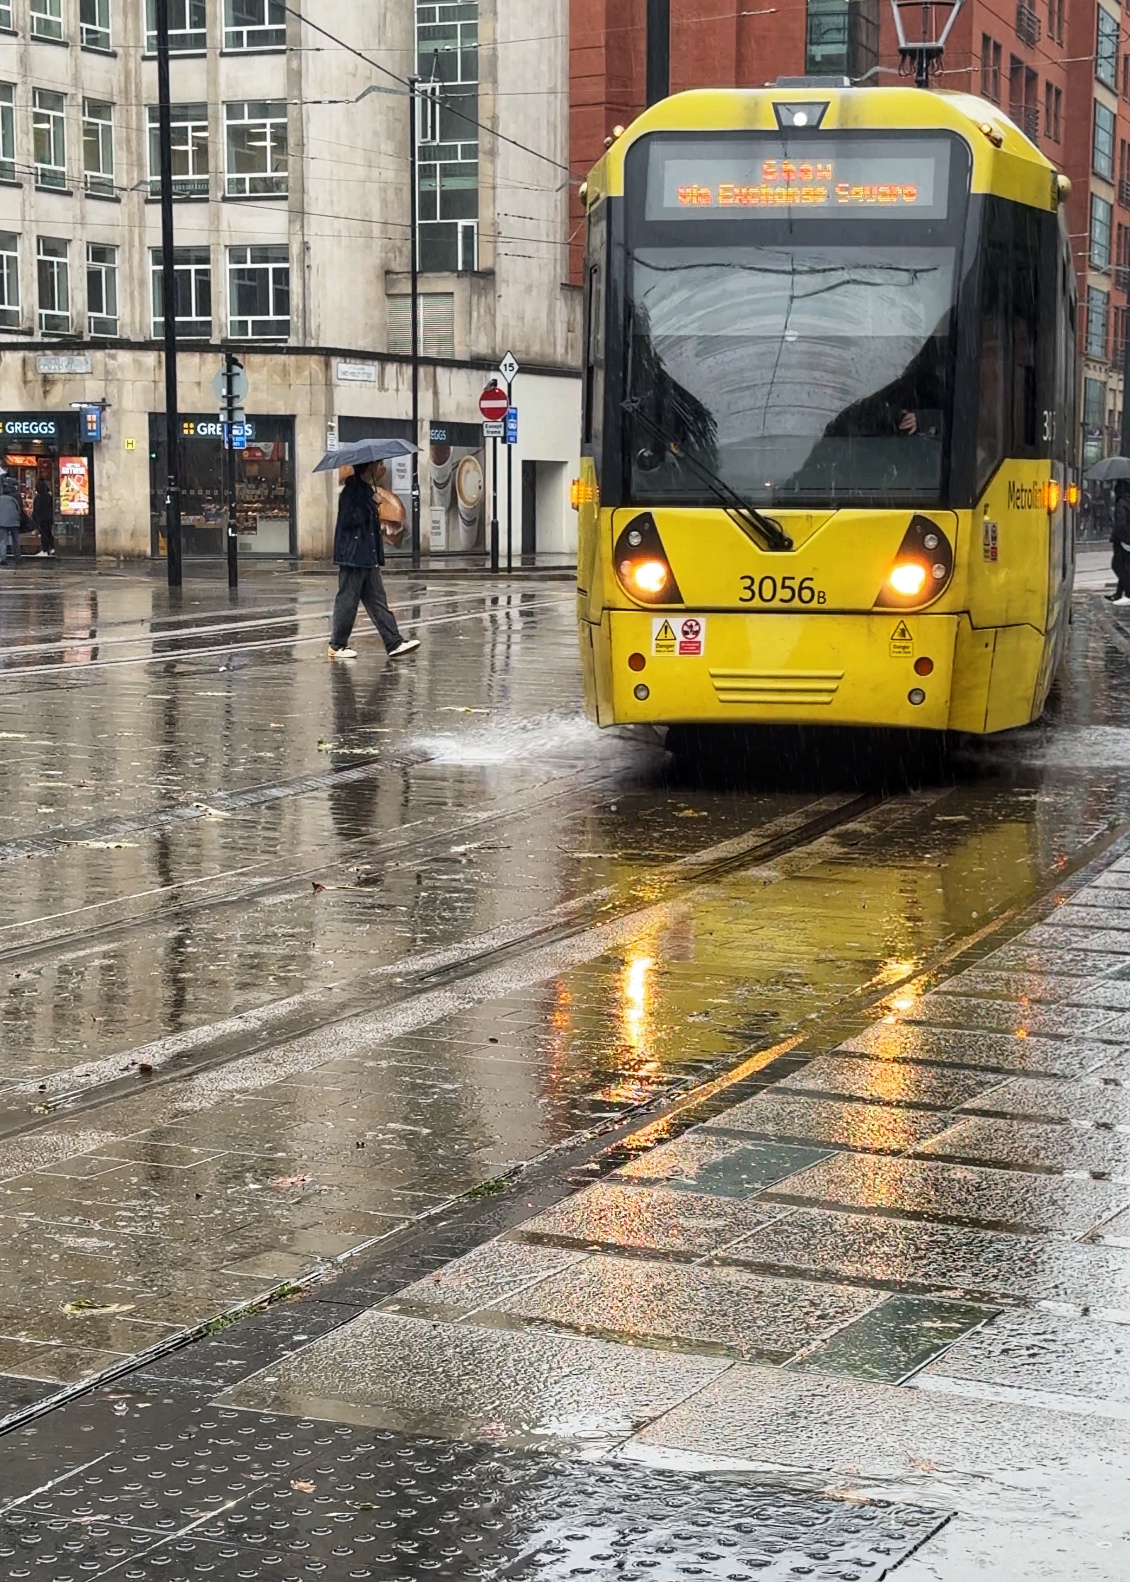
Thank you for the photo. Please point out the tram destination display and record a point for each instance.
(822, 178)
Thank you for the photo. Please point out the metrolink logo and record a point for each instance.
(1026, 496)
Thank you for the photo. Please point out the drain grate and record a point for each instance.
(235, 1498)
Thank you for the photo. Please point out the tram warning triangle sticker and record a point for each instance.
(663, 638)
(902, 642)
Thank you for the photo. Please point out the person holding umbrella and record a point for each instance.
(1116, 470)
(359, 550)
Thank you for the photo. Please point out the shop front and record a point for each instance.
(264, 487)
(48, 446)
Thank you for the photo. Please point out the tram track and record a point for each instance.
(416, 991)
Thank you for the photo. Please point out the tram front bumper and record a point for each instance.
(707, 668)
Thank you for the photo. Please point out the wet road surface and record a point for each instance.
(296, 955)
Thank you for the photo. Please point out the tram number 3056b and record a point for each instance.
(783, 590)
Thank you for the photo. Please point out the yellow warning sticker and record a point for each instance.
(664, 639)
(902, 642)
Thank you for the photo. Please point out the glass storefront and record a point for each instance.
(264, 486)
(35, 445)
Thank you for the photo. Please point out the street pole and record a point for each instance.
(1124, 448)
(509, 485)
(658, 50)
(494, 505)
(413, 174)
(169, 297)
(230, 408)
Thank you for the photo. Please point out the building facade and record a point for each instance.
(292, 179)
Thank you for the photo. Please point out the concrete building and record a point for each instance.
(291, 157)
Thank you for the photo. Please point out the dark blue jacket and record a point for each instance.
(357, 541)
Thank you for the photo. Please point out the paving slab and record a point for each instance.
(461, 1380)
(876, 1128)
(486, 1275)
(983, 1014)
(1099, 1099)
(958, 1194)
(988, 1051)
(703, 1160)
(891, 1081)
(647, 1218)
(1056, 1148)
(737, 1314)
(892, 1341)
(1045, 1352)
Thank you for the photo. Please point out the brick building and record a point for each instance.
(1054, 66)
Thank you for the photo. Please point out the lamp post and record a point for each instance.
(658, 50)
(169, 302)
(414, 202)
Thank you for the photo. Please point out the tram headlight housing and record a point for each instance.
(642, 567)
(922, 570)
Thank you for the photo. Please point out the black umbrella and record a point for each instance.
(1109, 470)
(363, 452)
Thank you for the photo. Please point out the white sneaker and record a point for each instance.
(410, 645)
(1125, 599)
(342, 653)
(43, 554)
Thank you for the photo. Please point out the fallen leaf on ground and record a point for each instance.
(318, 888)
(284, 1183)
(86, 1306)
(302, 1485)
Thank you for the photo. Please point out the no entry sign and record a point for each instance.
(493, 404)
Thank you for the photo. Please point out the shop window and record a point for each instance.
(9, 280)
(53, 271)
(94, 24)
(98, 147)
(1102, 151)
(101, 289)
(6, 14)
(990, 69)
(254, 24)
(256, 149)
(49, 136)
(447, 64)
(259, 292)
(436, 318)
(190, 150)
(1102, 220)
(1098, 323)
(1106, 48)
(7, 132)
(193, 274)
(188, 25)
(47, 19)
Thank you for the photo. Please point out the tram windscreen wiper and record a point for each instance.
(754, 523)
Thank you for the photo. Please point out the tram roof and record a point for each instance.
(1015, 169)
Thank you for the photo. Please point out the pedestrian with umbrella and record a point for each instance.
(359, 550)
(1116, 470)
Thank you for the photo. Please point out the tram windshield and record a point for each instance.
(799, 370)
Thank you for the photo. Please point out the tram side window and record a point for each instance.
(1014, 380)
(594, 337)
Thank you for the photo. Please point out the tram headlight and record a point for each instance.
(642, 566)
(922, 570)
(908, 579)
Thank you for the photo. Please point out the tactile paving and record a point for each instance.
(236, 1498)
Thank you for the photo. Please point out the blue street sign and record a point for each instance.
(90, 420)
(235, 436)
(512, 425)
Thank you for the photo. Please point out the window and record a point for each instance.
(840, 39)
(7, 132)
(188, 25)
(6, 13)
(254, 24)
(1106, 48)
(94, 24)
(990, 69)
(259, 292)
(101, 289)
(1102, 152)
(436, 321)
(54, 286)
(1053, 112)
(256, 148)
(1056, 9)
(9, 280)
(190, 150)
(46, 18)
(1102, 219)
(97, 146)
(447, 62)
(1098, 314)
(50, 138)
(193, 274)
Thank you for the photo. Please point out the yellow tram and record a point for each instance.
(829, 438)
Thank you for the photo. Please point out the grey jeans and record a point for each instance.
(358, 585)
(9, 544)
